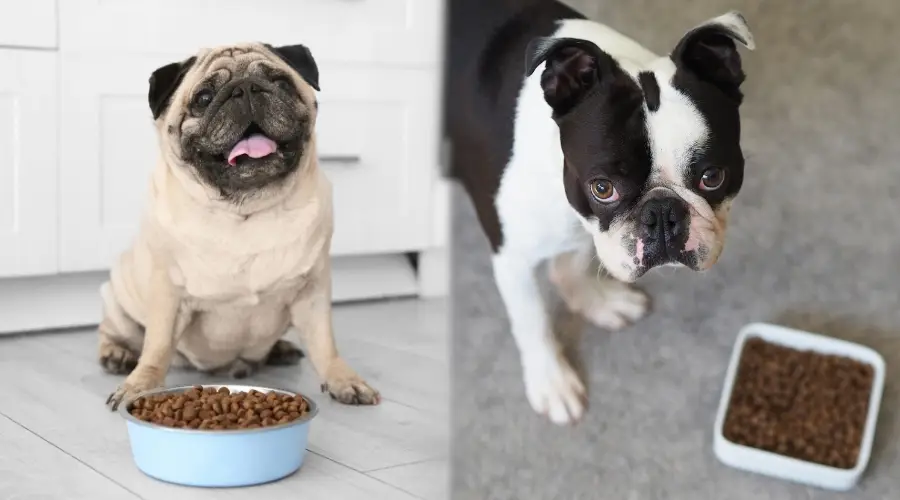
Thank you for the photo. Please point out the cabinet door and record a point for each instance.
(377, 133)
(28, 135)
(30, 24)
(378, 143)
(371, 31)
(107, 152)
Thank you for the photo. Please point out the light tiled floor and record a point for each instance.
(58, 441)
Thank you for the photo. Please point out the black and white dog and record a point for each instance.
(577, 144)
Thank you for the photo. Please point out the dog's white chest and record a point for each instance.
(531, 202)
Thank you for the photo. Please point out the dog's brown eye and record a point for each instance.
(712, 179)
(604, 191)
(284, 84)
(203, 99)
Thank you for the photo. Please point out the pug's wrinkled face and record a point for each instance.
(652, 155)
(240, 116)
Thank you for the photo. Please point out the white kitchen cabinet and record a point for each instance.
(107, 151)
(28, 193)
(384, 122)
(28, 24)
(372, 31)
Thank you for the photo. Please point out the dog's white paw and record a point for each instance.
(612, 305)
(554, 389)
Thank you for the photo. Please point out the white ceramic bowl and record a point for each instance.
(792, 469)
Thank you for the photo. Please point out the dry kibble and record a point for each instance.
(208, 408)
(800, 404)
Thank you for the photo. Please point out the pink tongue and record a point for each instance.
(255, 146)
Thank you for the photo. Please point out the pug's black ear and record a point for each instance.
(163, 83)
(573, 68)
(300, 58)
(709, 51)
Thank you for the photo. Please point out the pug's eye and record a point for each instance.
(604, 191)
(203, 99)
(284, 84)
(712, 179)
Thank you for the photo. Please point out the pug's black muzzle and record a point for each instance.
(241, 108)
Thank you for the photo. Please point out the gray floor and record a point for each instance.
(813, 244)
(59, 442)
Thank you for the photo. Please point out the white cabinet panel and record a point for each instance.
(377, 143)
(383, 31)
(28, 196)
(107, 152)
(30, 23)
(389, 120)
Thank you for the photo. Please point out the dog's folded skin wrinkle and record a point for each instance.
(234, 246)
(586, 106)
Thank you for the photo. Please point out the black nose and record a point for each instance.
(245, 88)
(664, 219)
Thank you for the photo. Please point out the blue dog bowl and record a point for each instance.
(218, 458)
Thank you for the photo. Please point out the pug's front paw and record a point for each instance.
(346, 386)
(131, 388)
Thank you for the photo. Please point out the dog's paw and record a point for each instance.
(284, 353)
(612, 305)
(129, 389)
(554, 389)
(344, 385)
(116, 359)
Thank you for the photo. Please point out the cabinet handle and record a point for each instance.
(343, 159)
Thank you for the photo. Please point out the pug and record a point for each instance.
(233, 247)
(582, 148)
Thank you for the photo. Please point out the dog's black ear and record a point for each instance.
(573, 68)
(300, 58)
(709, 51)
(163, 83)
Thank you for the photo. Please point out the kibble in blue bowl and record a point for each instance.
(219, 436)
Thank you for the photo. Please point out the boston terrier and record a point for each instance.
(579, 146)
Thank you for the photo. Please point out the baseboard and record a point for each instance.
(372, 277)
(50, 302)
(73, 300)
(434, 273)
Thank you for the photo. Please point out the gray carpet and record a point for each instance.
(813, 244)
